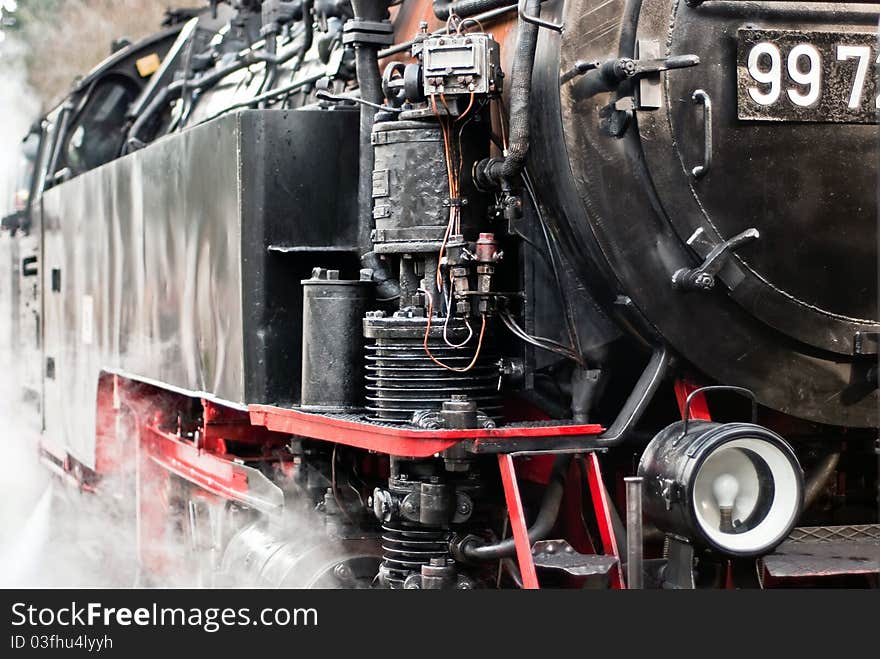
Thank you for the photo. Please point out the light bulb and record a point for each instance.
(725, 488)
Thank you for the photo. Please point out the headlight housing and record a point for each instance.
(734, 487)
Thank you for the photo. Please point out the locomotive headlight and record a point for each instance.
(734, 487)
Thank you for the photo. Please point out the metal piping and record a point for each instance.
(634, 528)
(819, 479)
(370, 83)
(543, 524)
(465, 8)
(484, 19)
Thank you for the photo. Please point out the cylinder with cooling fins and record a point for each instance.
(403, 380)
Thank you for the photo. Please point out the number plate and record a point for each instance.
(807, 76)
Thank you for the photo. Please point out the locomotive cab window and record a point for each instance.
(97, 135)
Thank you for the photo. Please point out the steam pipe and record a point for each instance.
(819, 478)
(465, 8)
(543, 524)
(638, 400)
(209, 79)
(370, 83)
(484, 19)
(387, 287)
(495, 172)
(132, 140)
(275, 62)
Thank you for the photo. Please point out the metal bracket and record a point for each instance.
(702, 278)
(866, 343)
(678, 573)
(559, 555)
(645, 71)
(360, 32)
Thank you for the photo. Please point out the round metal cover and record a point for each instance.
(799, 164)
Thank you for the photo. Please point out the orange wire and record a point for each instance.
(453, 176)
(456, 369)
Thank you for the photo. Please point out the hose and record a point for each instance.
(543, 524)
(465, 8)
(370, 83)
(494, 172)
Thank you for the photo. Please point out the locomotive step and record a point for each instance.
(826, 551)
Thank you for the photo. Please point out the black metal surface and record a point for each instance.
(749, 336)
(402, 379)
(333, 341)
(166, 269)
(624, 423)
(821, 288)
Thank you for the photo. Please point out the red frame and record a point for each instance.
(403, 442)
(518, 522)
(201, 455)
(699, 407)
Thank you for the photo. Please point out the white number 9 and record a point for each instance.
(812, 77)
(772, 76)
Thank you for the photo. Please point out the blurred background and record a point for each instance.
(44, 46)
(54, 41)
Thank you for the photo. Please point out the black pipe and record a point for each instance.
(484, 18)
(274, 63)
(387, 287)
(638, 400)
(133, 140)
(495, 172)
(465, 8)
(543, 524)
(370, 83)
(818, 480)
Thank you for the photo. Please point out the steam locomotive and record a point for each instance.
(466, 294)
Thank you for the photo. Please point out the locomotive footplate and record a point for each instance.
(410, 441)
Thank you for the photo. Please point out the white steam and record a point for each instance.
(46, 539)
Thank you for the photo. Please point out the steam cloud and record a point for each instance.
(50, 534)
(46, 539)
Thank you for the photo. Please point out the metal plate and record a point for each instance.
(806, 76)
(166, 274)
(823, 559)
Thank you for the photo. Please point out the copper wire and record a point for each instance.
(428, 352)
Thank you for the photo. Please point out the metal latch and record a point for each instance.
(644, 74)
(702, 278)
